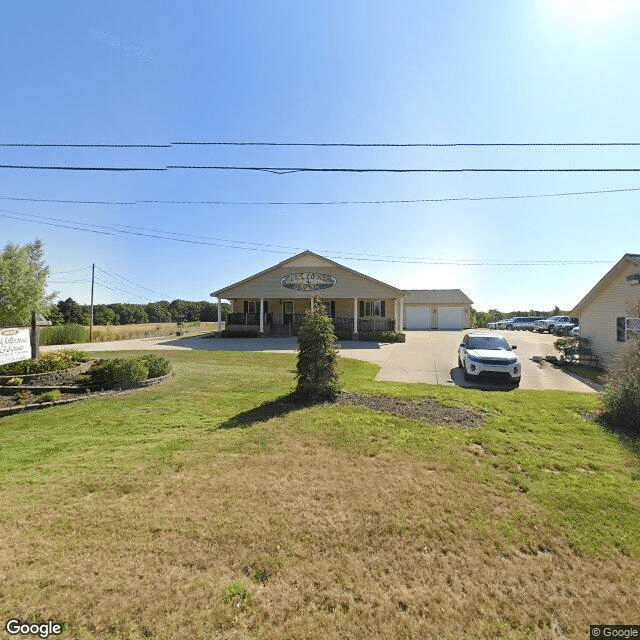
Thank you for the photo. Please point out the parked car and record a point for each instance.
(548, 323)
(562, 327)
(521, 323)
(491, 325)
(485, 355)
(501, 324)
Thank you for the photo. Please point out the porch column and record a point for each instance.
(219, 315)
(261, 332)
(400, 330)
(354, 335)
(395, 314)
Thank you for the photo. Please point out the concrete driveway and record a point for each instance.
(430, 357)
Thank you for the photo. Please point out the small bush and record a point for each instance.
(50, 396)
(24, 397)
(622, 393)
(50, 361)
(14, 382)
(64, 334)
(157, 365)
(118, 372)
(317, 368)
(238, 334)
(379, 336)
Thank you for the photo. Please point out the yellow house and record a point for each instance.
(606, 319)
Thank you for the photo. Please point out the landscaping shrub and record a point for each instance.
(50, 396)
(14, 382)
(118, 372)
(157, 365)
(64, 334)
(317, 368)
(238, 334)
(622, 392)
(50, 361)
(379, 336)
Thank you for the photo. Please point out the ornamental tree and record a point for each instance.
(23, 282)
(317, 368)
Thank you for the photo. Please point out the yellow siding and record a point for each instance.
(598, 317)
(347, 285)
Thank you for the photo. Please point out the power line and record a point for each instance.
(407, 144)
(113, 288)
(326, 202)
(345, 255)
(78, 168)
(109, 202)
(84, 146)
(286, 170)
(223, 143)
(113, 275)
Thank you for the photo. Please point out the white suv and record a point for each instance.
(482, 354)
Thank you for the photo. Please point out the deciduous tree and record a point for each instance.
(23, 282)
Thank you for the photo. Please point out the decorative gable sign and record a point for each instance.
(15, 345)
(307, 281)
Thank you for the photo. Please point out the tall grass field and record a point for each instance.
(188, 511)
(76, 333)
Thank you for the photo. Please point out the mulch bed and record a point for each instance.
(422, 409)
(418, 409)
(66, 381)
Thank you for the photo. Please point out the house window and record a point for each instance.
(632, 328)
(627, 328)
(252, 307)
(372, 308)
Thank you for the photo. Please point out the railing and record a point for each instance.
(248, 318)
(377, 324)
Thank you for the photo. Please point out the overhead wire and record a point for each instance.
(281, 249)
(326, 202)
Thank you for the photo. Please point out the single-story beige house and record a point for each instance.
(273, 302)
(604, 313)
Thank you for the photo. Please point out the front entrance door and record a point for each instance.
(287, 312)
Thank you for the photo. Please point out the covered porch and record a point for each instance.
(282, 317)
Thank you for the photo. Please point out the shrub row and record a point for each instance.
(128, 372)
(51, 361)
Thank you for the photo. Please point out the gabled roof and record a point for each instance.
(634, 258)
(220, 292)
(436, 296)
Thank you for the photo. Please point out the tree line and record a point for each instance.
(71, 312)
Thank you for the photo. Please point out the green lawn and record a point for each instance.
(159, 513)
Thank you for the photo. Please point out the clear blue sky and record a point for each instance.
(333, 71)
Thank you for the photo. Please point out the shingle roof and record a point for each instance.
(436, 296)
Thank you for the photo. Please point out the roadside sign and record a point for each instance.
(15, 345)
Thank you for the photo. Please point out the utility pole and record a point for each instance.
(93, 275)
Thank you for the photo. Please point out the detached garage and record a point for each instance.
(436, 309)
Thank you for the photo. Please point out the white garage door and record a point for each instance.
(417, 317)
(450, 317)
